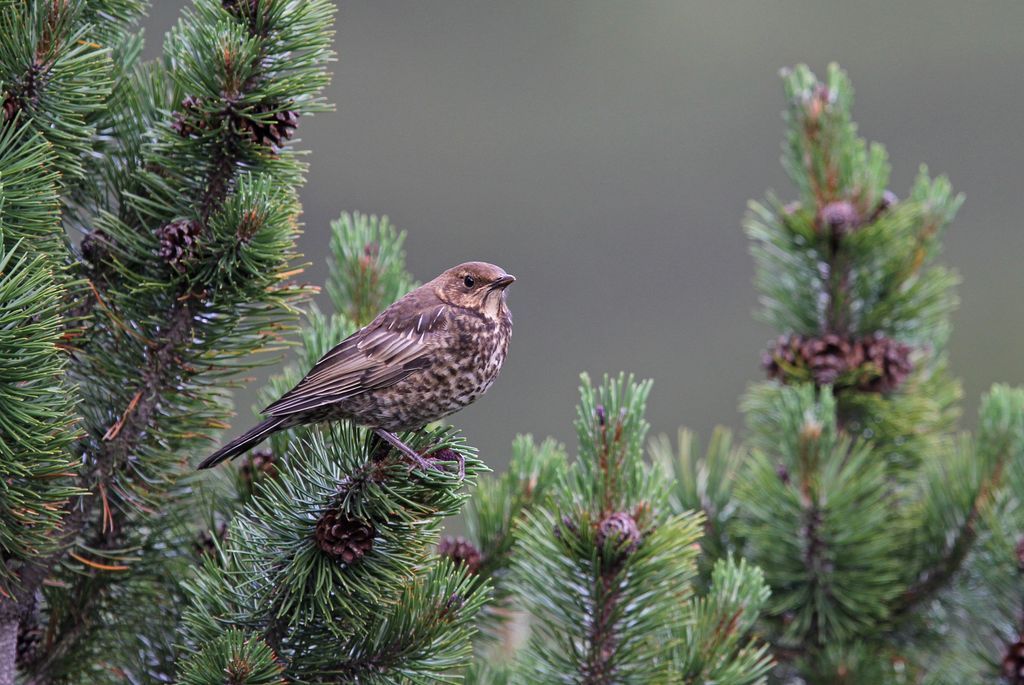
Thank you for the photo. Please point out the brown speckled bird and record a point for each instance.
(428, 355)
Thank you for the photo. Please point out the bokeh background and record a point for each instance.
(604, 151)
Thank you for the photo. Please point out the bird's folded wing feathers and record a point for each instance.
(382, 354)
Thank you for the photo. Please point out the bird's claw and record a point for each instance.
(418, 460)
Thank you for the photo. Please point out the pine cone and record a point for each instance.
(825, 358)
(785, 355)
(619, 529)
(95, 247)
(891, 362)
(236, 7)
(461, 551)
(189, 120)
(829, 356)
(566, 526)
(257, 466)
(840, 217)
(178, 241)
(888, 200)
(10, 107)
(344, 537)
(273, 133)
(874, 364)
(30, 639)
(24, 91)
(1013, 663)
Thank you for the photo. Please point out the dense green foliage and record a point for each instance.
(179, 176)
(877, 525)
(148, 217)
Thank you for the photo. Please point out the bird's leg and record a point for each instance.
(403, 448)
(416, 458)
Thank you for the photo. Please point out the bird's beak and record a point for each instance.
(502, 282)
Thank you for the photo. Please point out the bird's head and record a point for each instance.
(475, 285)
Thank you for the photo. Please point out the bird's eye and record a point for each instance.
(468, 280)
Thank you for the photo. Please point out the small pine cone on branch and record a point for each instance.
(461, 551)
(30, 641)
(888, 200)
(785, 356)
(873, 364)
(342, 537)
(236, 7)
(829, 357)
(889, 361)
(620, 531)
(273, 133)
(1013, 663)
(189, 121)
(840, 218)
(824, 359)
(258, 466)
(178, 241)
(95, 247)
(10, 107)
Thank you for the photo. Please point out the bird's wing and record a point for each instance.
(383, 353)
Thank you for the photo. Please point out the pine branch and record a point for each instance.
(368, 270)
(36, 404)
(605, 570)
(705, 483)
(493, 517)
(178, 323)
(335, 550)
(1000, 443)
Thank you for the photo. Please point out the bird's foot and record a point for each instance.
(417, 458)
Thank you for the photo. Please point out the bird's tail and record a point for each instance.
(250, 438)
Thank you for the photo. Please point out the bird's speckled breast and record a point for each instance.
(469, 357)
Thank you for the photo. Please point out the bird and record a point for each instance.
(429, 354)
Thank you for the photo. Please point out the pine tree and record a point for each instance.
(148, 216)
(889, 539)
(606, 571)
(325, 560)
(180, 178)
(328, 569)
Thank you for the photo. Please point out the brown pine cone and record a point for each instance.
(872, 364)
(829, 357)
(273, 133)
(343, 537)
(619, 529)
(236, 7)
(257, 466)
(884, 205)
(461, 551)
(30, 640)
(840, 217)
(178, 241)
(9, 108)
(187, 122)
(785, 355)
(95, 247)
(1013, 663)
(890, 361)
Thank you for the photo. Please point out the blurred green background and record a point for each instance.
(604, 151)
